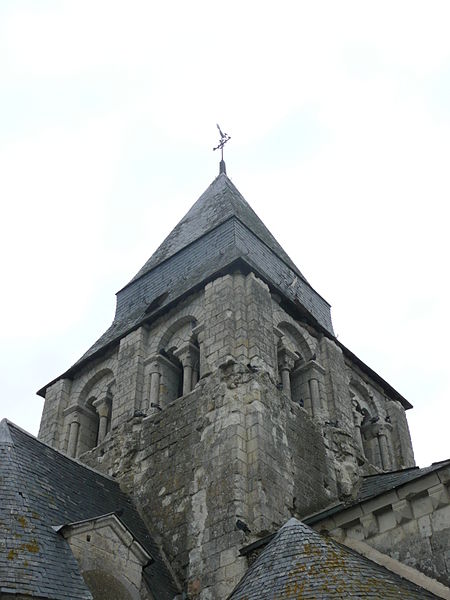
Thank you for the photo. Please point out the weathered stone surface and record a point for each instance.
(222, 402)
(410, 523)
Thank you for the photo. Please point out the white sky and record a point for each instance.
(339, 114)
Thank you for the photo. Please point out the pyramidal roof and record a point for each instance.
(301, 563)
(218, 233)
(218, 203)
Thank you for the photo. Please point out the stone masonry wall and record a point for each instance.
(410, 524)
(241, 453)
(228, 451)
(52, 421)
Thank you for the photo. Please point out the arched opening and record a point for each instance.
(89, 420)
(299, 374)
(175, 369)
(104, 586)
(91, 425)
(172, 375)
(371, 431)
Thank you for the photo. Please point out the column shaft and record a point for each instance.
(187, 379)
(73, 438)
(315, 397)
(384, 452)
(102, 428)
(154, 388)
(194, 378)
(286, 381)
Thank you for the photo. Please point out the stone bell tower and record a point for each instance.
(221, 399)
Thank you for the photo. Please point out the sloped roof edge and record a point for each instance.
(219, 202)
(300, 562)
(413, 472)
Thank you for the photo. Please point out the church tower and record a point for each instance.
(220, 398)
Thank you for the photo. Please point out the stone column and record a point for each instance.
(203, 368)
(155, 378)
(153, 370)
(370, 432)
(315, 397)
(74, 429)
(384, 450)
(357, 419)
(286, 360)
(103, 407)
(187, 354)
(73, 438)
(312, 374)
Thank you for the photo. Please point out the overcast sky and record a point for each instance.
(339, 114)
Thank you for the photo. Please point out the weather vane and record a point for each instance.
(224, 137)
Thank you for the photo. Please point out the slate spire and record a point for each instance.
(219, 232)
(220, 202)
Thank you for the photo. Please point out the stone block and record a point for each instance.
(424, 525)
(402, 510)
(421, 505)
(386, 519)
(418, 486)
(440, 520)
(369, 524)
(439, 496)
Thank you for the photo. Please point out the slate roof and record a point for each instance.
(375, 485)
(41, 488)
(301, 563)
(221, 201)
(219, 231)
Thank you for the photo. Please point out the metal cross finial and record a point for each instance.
(224, 137)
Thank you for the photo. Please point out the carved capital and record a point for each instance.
(75, 411)
(103, 405)
(199, 331)
(153, 363)
(187, 354)
(313, 368)
(286, 359)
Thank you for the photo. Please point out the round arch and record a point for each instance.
(93, 381)
(176, 327)
(296, 337)
(105, 586)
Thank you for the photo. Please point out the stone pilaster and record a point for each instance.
(56, 401)
(130, 376)
(261, 339)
